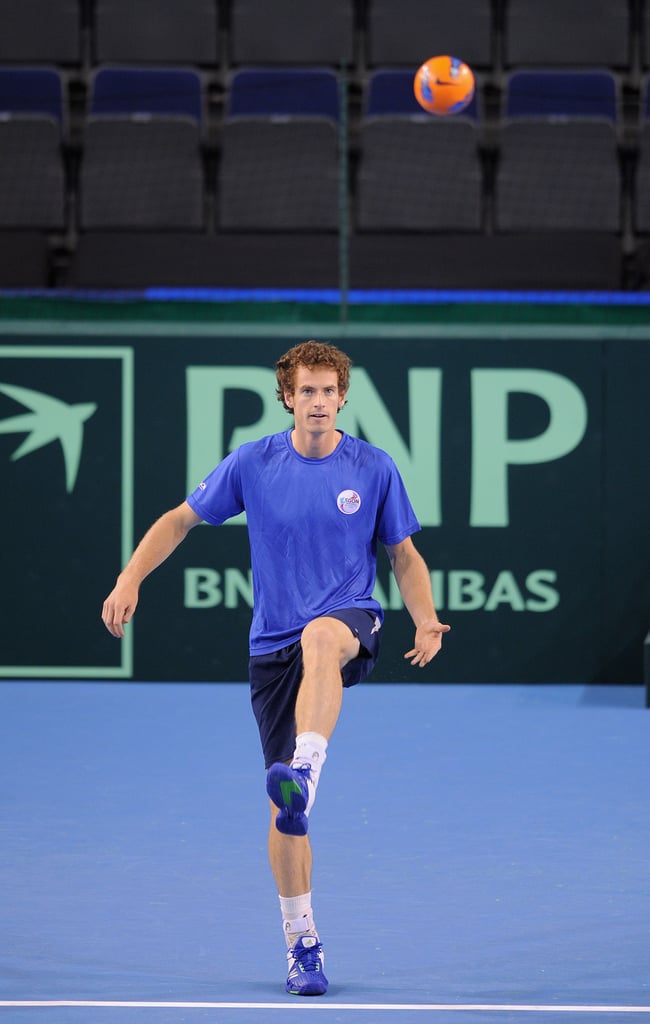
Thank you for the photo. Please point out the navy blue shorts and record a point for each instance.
(275, 679)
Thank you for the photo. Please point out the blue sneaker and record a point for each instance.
(306, 961)
(289, 791)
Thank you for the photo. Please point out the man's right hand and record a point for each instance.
(119, 607)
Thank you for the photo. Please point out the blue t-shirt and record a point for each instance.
(313, 527)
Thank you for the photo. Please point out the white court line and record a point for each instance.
(487, 1007)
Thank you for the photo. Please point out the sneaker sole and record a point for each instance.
(288, 796)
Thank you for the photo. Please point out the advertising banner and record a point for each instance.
(525, 459)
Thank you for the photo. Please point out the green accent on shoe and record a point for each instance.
(287, 788)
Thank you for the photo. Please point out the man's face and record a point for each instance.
(315, 400)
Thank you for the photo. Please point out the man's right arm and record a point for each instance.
(157, 545)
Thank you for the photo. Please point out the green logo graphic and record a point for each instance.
(50, 420)
(287, 788)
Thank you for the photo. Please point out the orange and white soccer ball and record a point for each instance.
(444, 85)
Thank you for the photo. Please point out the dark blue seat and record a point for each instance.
(417, 172)
(119, 91)
(271, 92)
(279, 168)
(32, 172)
(550, 93)
(558, 162)
(142, 161)
(390, 92)
(32, 91)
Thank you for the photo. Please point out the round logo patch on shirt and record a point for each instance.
(348, 502)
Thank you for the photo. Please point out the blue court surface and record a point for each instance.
(482, 855)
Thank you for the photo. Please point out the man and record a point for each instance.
(317, 501)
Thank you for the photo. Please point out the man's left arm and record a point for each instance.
(414, 582)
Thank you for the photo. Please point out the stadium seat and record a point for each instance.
(40, 31)
(284, 32)
(642, 175)
(419, 175)
(142, 163)
(567, 32)
(390, 92)
(131, 91)
(414, 30)
(558, 163)
(32, 176)
(32, 90)
(279, 167)
(156, 31)
(276, 92)
(562, 94)
(141, 173)
(416, 172)
(280, 175)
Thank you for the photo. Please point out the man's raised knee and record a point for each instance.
(328, 636)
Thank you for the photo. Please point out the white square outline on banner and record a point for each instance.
(125, 669)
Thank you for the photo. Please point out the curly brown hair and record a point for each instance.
(313, 355)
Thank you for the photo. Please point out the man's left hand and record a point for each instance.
(428, 641)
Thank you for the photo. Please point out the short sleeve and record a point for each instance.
(397, 519)
(219, 496)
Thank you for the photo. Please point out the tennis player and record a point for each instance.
(318, 502)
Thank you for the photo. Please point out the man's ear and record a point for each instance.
(288, 399)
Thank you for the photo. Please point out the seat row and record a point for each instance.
(290, 91)
(145, 159)
(486, 33)
(149, 197)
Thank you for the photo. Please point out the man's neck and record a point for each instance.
(315, 446)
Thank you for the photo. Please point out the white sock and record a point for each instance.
(310, 752)
(297, 918)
